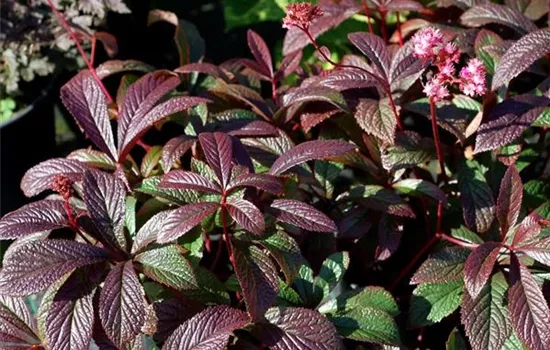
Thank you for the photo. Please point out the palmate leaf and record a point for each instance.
(529, 312)
(309, 150)
(17, 327)
(479, 266)
(105, 196)
(260, 51)
(122, 305)
(443, 266)
(183, 219)
(375, 49)
(431, 302)
(218, 151)
(509, 199)
(188, 180)
(35, 217)
(246, 215)
(377, 118)
(508, 120)
(209, 329)
(84, 99)
(521, 55)
(258, 278)
(485, 317)
(538, 250)
(480, 15)
(302, 215)
(478, 205)
(292, 328)
(51, 259)
(40, 177)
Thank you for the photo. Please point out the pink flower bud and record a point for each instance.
(301, 15)
(472, 78)
(62, 185)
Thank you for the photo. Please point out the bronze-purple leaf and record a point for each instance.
(260, 51)
(310, 150)
(218, 151)
(538, 250)
(479, 267)
(40, 177)
(375, 49)
(122, 305)
(480, 15)
(264, 182)
(390, 231)
(35, 217)
(289, 65)
(17, 325)
(291, 328)
(246, 215)
(509, 199)
(105, 196)
(528, 229)
(478, 204)
(302, 215)
(174, 149)
(183, 219)
(148, 233)
(258, 278)
(529, 311)
(209, 329)
(204, 68)
(188, 180)
(85, 100)
(171, 313)
(51, 259)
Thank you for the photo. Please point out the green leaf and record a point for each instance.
(372, 297)
(325, 173)
(382, 199)
(485, 318)
(367, 324)
(478, 204)
(431, 302)
(150, 186)
(466, 235)
(419, 187)
(544, 119)
(150, 161)
(455, 341)
(310, 293)
(444, 266)
(285, 250)
(332, 271)
(287, 296)
(535, 193)
(409, 150)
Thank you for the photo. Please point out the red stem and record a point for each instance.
(384, 84)
(458, 241)
(225, 231)
(143, 145)
(367, 13)
(399, 33)
(383, 25)
(71, 33)
(438, 149)
(92, 54)
(274, 90)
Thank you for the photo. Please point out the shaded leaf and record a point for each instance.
(370, 297)
(147, 234)
(521, 55)
(479, 267)
(367, 324)
(443, 266)
(485, 317)
(286, 251)
(302, 215)
(87, 103)
(478, 205)
(431, 302)
(209, 329)
(409, 150)
(258, 279)
(122, 305)
(480, 15)
(390, 230)
(332, 271)
(51, 259)
(381, 199)
(421, 187)
(183, 219)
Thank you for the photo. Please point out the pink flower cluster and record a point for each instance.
(301, 15)
(428, 45)
(62, 185)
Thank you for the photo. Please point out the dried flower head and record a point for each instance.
(62, 185)
(301, 15)
(472, 78)
(426, 43)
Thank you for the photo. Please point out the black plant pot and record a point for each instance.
(25, 140)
